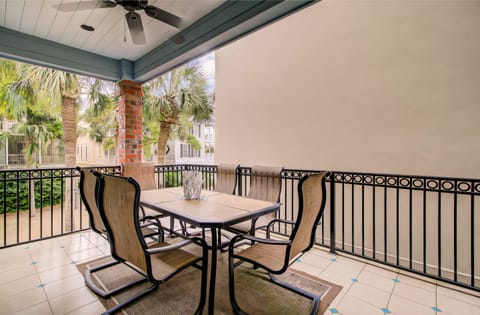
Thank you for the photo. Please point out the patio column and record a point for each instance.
(129, 136)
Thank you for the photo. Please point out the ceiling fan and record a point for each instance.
(134, 20)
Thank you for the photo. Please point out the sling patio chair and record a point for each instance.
(144, 174)
(226, 181)
(89, 189)
(275, 256)
(265, 184)
(119, 199)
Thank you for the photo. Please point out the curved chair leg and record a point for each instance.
(118, 307)
(315, 298)
(231, 284)
(101, 292)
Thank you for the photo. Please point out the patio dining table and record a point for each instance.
(214, 211)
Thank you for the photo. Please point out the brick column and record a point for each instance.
(129, 136)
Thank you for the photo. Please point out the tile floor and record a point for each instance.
(41, 278)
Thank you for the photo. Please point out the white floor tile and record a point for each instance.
(59, 273)
(353, 306)
(455, 306)
(369, 294)
(22, 301)
(64, 286)
(415, 294)
(39, 309)
(72, 301)
(89, 309)
(401, 306)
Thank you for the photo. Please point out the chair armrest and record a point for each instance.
(271, 223)
(257, 239)
(149, 220)
(178, 245)
(167, 248)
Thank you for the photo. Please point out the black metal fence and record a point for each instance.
(426, 225)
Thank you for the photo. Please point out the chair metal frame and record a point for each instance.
(148, 252)
(98, 226)
(288, 244)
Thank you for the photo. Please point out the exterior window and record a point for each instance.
(186, 151)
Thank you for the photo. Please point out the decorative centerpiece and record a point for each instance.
(192, 185)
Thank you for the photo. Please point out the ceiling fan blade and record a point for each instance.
(163, 16)
(85, 5)
(134, 22)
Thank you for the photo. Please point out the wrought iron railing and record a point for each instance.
(426, 225)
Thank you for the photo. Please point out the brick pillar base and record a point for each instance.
(129, 136)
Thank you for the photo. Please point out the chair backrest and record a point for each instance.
(143, 173)
(119, 199)
(311, 201)
(89, 185)
(266, 183)
(226, 178)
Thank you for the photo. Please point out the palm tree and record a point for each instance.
(100, 114)
(174, 98)
(62, 88)
(28, 84)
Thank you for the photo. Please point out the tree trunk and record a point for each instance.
(165, 127)
(69, 125)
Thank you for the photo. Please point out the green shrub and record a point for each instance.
(173, 179)
(10, 198)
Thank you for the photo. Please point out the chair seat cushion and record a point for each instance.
(270, 256)
(167, 263)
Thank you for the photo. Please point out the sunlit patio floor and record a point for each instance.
(41, 278)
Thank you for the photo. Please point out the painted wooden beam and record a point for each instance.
(228, 22)
(30, 49)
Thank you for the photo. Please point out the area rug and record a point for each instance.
(180, 295)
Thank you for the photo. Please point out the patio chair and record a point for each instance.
(89, 187)
(275, 256)
(144, 174)
(265, 184)
(119, 207)
(226, 178)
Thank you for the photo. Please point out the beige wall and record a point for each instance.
(378, 86)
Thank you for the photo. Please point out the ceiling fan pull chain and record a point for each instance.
(124, 31)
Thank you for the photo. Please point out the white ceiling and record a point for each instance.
(111, 37)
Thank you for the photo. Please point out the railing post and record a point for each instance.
(239, 181)
(332, 213)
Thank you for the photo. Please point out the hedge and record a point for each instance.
(9, 197)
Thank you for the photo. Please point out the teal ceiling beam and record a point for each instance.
(30, 49)
(228, 22)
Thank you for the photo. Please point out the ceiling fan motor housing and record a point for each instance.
(132, 5)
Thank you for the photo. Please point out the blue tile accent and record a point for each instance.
(385, 310)
(334, 311)
(334, 259)
(41, 285)
(354, 279)
(33, 263)
(298, 260)
(395, 280)
(436, 309)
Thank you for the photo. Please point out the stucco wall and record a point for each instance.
(377, 86)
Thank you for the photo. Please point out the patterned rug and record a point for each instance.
(180, 295)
